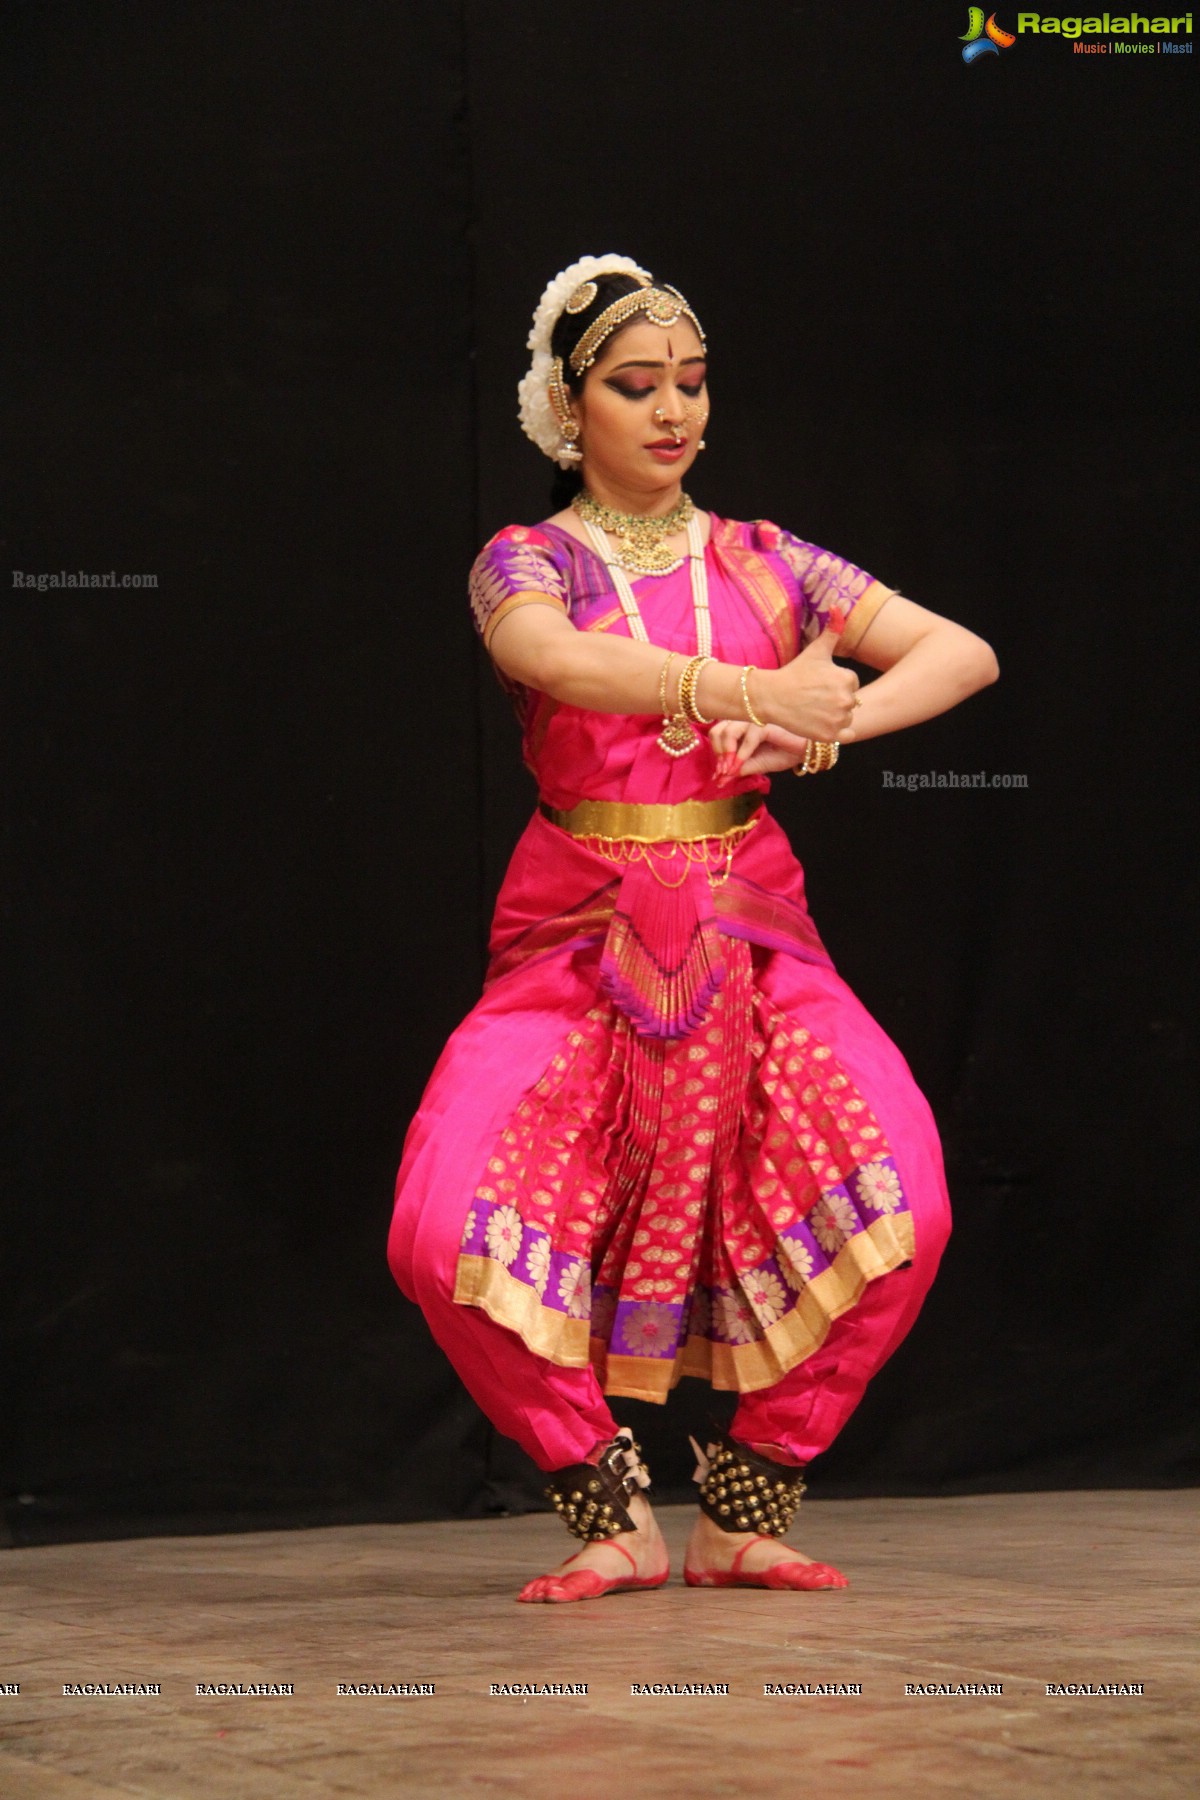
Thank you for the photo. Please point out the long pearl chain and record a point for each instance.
(678, 735)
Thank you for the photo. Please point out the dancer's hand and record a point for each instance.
(811, 695)
(744, 749)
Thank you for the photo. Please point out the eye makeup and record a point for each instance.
(632, 389)
(637, 384)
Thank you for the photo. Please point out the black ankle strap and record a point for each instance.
(591, 1498)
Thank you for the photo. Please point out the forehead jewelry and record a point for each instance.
(661, 305)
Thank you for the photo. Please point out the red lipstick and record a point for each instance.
(668, 449)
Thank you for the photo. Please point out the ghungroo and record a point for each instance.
(590, 1497)
(743, 1491)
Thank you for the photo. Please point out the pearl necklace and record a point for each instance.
(677, 736)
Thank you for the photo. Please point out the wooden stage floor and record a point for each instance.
(1027, 1591)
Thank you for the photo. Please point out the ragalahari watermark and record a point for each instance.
(80, 578)
(949, 778)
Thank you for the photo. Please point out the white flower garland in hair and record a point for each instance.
(538, 418)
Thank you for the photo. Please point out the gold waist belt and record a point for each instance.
(684, 821)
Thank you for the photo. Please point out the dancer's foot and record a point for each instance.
(716, 1558)
(631, 1559)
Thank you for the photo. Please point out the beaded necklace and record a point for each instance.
(641, 537)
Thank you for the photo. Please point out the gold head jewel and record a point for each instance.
(583, 296)
(661, 305)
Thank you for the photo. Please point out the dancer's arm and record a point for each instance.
(538, 646)
(928, 664)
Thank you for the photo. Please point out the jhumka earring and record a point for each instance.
(569, 450)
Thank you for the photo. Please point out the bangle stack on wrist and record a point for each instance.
(687, 690)
(677, 737)
(818, 756)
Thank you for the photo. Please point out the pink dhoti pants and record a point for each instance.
(559, 1415)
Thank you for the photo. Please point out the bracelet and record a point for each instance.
(818, 756)
(662, 682)
(750, 712)
(677, 736)
(687, 690)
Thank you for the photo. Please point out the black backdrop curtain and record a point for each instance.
(270, 275)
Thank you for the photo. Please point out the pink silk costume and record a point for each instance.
(668, 1140)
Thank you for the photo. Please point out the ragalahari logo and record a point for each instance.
(983, 38)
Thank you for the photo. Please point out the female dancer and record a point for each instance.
(669, 1140)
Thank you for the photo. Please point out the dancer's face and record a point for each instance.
(643, 408)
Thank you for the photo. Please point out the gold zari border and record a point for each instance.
(482, 1281)
(885, 1245)
(882, 1247)
(861, 616)
(529, 598)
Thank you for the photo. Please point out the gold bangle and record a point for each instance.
(687, 690)
(694, 690)
(681, 692)
(818, 756)
(662, 682)
(750, 712)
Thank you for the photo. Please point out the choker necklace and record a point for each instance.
(640, 536)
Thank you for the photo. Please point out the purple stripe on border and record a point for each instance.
(612, 1317)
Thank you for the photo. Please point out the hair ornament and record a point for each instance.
(582, 298)
(539, 419)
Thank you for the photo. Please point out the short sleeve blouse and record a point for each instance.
(799, 587)
(515, 567)
(830, 591)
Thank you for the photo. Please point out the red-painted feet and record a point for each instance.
(781, 1574)
(590, 1584)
